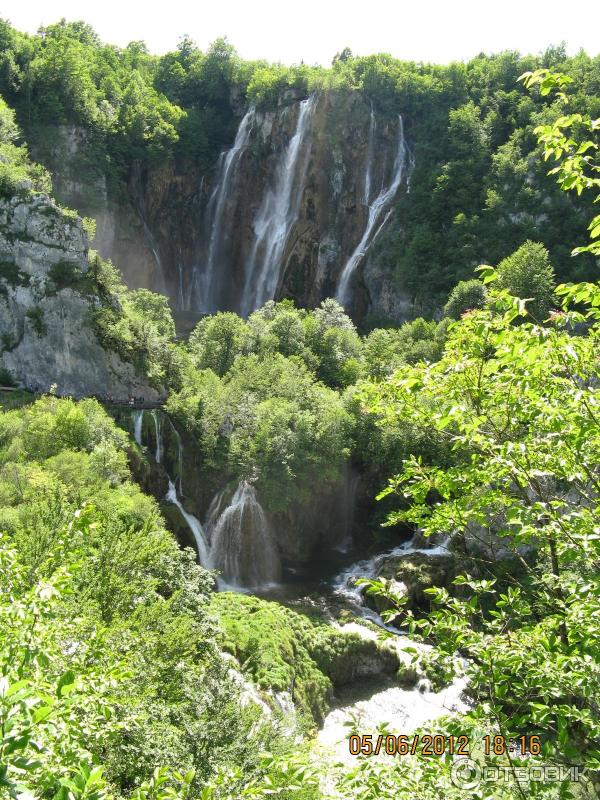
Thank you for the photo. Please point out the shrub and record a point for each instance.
(466, 295)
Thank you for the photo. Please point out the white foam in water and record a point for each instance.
(403, 710)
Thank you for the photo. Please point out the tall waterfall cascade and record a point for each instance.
(379, 208)
(236, 539)
(277, 214)
(207, 284)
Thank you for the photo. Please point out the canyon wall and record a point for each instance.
(291, 209)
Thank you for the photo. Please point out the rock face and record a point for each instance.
(302, 191)
(46, 333)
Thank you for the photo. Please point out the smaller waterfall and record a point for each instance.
(370, 153)
(376, 209)
(193, 524)
(156, 416)
(208, 284)
(172, 497)
(344, 585)
(276, 216)
(138, 422)
(241, 543)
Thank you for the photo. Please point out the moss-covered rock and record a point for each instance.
(417, 572)
(306, 656)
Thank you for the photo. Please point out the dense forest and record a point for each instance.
(479, 187)
(315, 560)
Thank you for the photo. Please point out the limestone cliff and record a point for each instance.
(47, 337)
(285, 209)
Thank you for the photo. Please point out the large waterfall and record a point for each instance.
(207, 284)
(241, 543)
(377, 208)
(276, 216)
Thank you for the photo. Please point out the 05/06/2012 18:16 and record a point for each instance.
(439, 745)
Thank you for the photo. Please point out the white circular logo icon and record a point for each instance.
(466, 774)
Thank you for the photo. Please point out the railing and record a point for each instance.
(137, 403)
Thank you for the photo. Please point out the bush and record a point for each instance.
(528, 274)
(64, 273)
(465, 296)
(36, 317)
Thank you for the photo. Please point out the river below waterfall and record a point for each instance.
(236, 538)
(373, 703)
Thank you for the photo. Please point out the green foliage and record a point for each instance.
(36, 317)
(17, 173)
(516, 404)
(217, 341)
(284, 651)
(138, 325)
(571, 139)
(106, 644)
(12, 275)
(267, 419)
(64, 274)
(466, 296)
(528, 274)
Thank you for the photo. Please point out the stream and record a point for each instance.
(236, 539)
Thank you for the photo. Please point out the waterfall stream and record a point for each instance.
(377, 208)
(242, 547)
(370, 152)
(138, 421)
(156, 416)
(236, 539)
(207, 285)
(192, 522)
(276, 216)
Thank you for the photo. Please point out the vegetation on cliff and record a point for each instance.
(478, 190)
(108, 650)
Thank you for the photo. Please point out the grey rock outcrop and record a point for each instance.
(47, 337)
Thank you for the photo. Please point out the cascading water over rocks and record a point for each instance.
(236, 539)
(295, 205)
(242, 548)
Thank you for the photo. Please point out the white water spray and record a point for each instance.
(242, 547)
(376, 210)
(277, 215)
